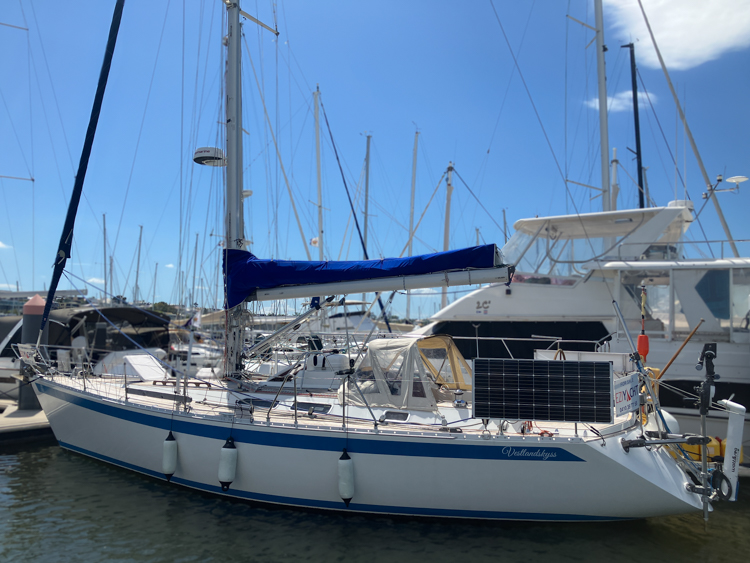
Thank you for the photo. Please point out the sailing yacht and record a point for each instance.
(412, 429)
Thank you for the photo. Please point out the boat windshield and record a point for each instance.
(547, 256)
(407, 373)
(562, 246)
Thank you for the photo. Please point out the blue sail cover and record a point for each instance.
(246, 273)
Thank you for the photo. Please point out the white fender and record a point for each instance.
(169, 457)
(227, 464)
(346, 478)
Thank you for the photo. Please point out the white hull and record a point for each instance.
(397, 472)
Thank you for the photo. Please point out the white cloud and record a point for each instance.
(623, 101)
(169, 266)
(688, 32)
(2, 245)
(95, 280)
(7, 286)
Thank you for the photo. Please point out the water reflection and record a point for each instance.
(62, 507)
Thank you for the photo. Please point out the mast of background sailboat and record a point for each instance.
(638, 156)
(367, 196)
(446, 232)
(137, 267)
(603, 124)
(367, 205)
(153, 299)
(411, 215)
(316, 96)
(104, 264)
(195, 264)
(698, 158)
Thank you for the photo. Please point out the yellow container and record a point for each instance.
(724, 449)
(713, 449)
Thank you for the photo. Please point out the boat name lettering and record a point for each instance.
(542, 453)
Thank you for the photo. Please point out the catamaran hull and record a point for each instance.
(419, 474)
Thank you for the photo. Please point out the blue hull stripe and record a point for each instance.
(453, 449)
(353, 506)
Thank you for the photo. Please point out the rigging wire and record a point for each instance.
(278, 160)
(140, 131)
(351, 205)
(531, 100)
(549, 144)
(477, 199)
(49, 74)
(671, 155)
(510, 80)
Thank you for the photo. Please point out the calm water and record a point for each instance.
(62, 507)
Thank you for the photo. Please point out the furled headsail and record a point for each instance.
(66, 238)
(247, 275)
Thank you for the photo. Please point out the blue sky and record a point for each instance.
(384, 69)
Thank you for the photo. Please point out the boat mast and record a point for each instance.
(711, 193)
(137, 266)
(195, 263)
(104, 264)
(411, 214)
(153, 299)
(235, 229)
(446, 232)
(638, 156)
(603, 124)
(233, 222)
(367, 195)
(316, 96)
(615, 184)
(367, 208)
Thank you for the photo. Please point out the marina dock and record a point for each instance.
(22, 426)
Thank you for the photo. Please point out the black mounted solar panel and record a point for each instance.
(543, 390)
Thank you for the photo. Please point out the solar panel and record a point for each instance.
(543, 390)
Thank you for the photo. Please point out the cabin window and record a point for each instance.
(713, 289)
(417, 389)
(438, 358)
